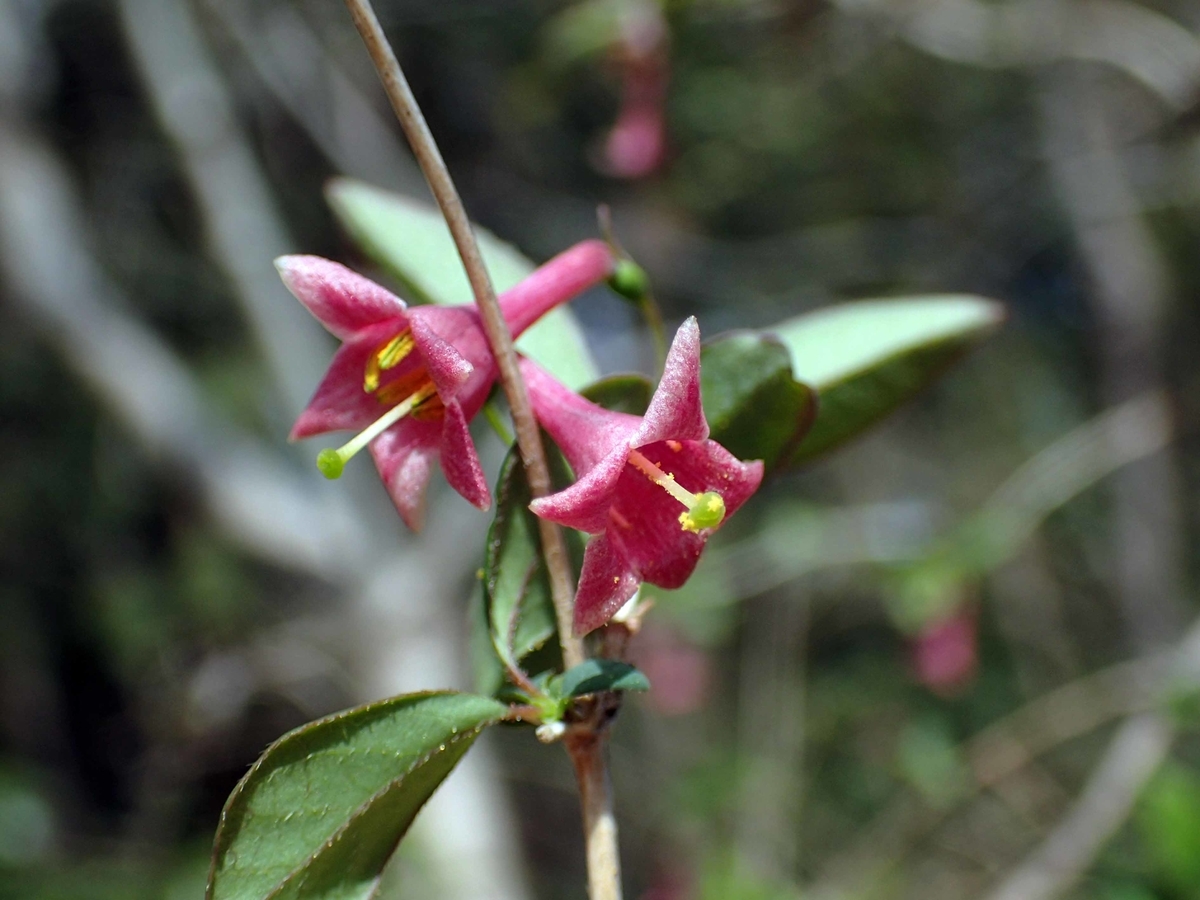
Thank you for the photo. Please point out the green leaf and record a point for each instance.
(411, 241)
(581, 30)
(487, 671)
(868, 357)
(520, 608)
(754, 407)
(594, 675)
(320, 813)
(621, 393)
(1168, 817)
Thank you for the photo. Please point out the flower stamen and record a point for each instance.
(387, 357)
(703, 510)
(331, 462)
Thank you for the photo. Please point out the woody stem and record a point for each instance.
(604, 874)
(529, 438)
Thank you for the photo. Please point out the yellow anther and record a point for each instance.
(387, 357)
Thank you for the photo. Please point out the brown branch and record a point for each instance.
(1134, 755)
(585, 744)
(586, 747)
(529, 437)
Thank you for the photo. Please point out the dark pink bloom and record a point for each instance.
(430, 367)
(637, 144)
(945, 653)
(651, 489)
(679, 670)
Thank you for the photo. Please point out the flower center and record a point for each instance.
(388, 356)
(704, 510)
(331, 462)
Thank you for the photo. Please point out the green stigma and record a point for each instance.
(701, 511)
(331, 463)
(708, 512)
(629, 280)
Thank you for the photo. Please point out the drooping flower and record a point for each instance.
(410, 379)
(945, 652)
(637, 144)
(652, 488)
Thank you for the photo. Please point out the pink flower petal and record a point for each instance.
(586, 433)
(343, 301)
(567, 275)
(460, 327)
(675, 411)
(445, 365)
(645, 529)
(460, 462)
(404, 456)
(339, 403)
(605, 585)
(585, 504)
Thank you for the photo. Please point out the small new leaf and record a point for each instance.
(595, 675)
(321, 812)
(516, 588)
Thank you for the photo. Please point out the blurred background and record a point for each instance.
(956, 659)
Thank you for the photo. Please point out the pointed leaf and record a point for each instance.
(486, 668)
(754, 407)
(411, 241)
(867, 358)
(516, 618)
(594, 675)
(520, 608)
(621, 393)
(320, 813)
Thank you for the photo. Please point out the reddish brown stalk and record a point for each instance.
(586, 745)
(529, 438)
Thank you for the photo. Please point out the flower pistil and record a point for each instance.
(331, 462)
(703, 510)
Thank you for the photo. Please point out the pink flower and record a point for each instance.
(637, 144)
(946, 653)
(652, 489)
(411, 379)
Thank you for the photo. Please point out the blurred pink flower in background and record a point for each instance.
(945, 653)
(679, 671)
(637, 144)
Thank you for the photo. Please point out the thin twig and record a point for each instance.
(1135, 754)
(529, 438)
(242, 228)
(647, 304)
(586, 748)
